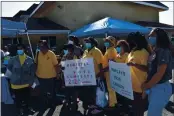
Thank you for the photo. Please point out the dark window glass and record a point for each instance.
(50, 39)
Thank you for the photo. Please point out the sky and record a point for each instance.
(166, 17)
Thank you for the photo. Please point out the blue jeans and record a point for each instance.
(158, 98)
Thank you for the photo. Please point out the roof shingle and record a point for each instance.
(153, 24)
(27, 12)
(39, 24)
(156, 3)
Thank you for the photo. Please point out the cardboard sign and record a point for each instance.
(120, 78)
(79, 72)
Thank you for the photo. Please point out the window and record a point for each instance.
(7, 41)
(50, 39)
(17, 41)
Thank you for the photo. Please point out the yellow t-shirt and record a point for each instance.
(46, 65)
(22, 60)
(110, 54)
(97, 56)
(138, 76)
(121, 58)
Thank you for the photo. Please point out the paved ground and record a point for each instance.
(6, 108)
(57, 111)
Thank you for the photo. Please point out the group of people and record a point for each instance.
(150, 61)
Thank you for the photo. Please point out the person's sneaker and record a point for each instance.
(40, 114)
(30, 111)
(20, 112)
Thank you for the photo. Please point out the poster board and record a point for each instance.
(120, 78)
(79, 72)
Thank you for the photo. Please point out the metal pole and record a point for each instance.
(173, 81)
(29, 42)
(17, 38)
(106, 35)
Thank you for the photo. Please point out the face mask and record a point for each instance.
(65, 52)
(20, 52)
(43, 48)
(118, 49)
(152, 41)
(70, 42)
(106, 44)
(37, 50)
(88, 45)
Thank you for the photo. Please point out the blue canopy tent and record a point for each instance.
(12, 29)
(109, 26)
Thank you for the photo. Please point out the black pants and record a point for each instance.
(88, 96)
(71, 94)
(47, 95)
(124, 103)
(22, 97)
(138, 105)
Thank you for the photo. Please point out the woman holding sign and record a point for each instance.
(88, 94)
(137, 60)
(160, 72)
(110, 54)
(71, 92)
(122, 50)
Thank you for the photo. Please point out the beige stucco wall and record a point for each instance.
(76, 14)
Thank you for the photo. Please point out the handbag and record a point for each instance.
(101, 98)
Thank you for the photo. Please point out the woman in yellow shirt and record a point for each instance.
(110, 54)
(88, 94)
(122, 50)
(137, 60)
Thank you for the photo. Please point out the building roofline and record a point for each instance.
(167, 28)
(137, 2)
(40, 4)
(151, 5)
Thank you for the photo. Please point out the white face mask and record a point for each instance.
(70, 42)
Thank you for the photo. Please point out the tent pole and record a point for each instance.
(29, 42)
(17, 38)
(30, 45)
(106, 35)
(173, 80)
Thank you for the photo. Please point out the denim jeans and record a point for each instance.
(158, 98)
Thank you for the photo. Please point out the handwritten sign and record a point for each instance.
(120, 78)
(79, 72)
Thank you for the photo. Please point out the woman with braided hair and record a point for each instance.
(137, 60)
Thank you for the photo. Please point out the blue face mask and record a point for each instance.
(107, 44)
(88, 45)
(118, 49)
(65, 52)
(152, 41)
(20, 52)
